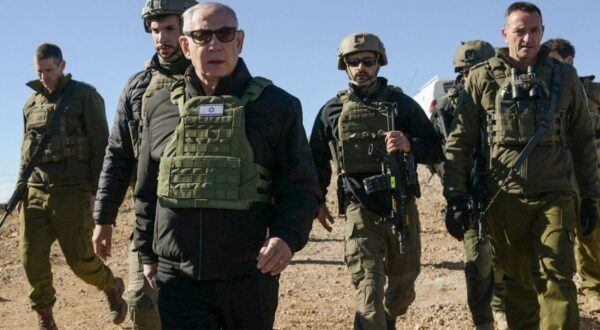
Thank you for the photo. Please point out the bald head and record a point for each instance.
(207, 10)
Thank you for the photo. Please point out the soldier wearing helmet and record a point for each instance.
(162, 19)
(478, 266)
(346, 127)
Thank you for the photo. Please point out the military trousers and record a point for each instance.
(534, 246)
(587, 254)
(479, 276)
(140, 297)
(62, 214)
(372, 256)
(247, 301)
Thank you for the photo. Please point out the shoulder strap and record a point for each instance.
(254, 88)
(178, 95)
(343, 95)
(495, 67)
(47, 136)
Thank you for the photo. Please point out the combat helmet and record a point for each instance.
(360, 42)
(472, 52)
(154, 8)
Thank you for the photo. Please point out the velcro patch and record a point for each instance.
(211, 110)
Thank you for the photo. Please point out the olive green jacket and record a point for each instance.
(592, 91)
(549, 167)
(75, 153)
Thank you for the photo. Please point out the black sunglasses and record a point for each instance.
(356, 61)
(203, 37)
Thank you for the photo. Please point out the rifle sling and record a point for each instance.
(54, 126)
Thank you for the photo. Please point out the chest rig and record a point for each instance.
(69, 140)
(209, 162)
(521, 104)
(360, 125)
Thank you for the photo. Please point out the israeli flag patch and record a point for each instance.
(211, 110)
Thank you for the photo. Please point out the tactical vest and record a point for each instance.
(38, 115)
(592, 93)
(513, 123)
(209, 162)
(359, 126)
(136, 126)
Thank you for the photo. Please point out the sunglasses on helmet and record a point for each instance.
(203, 37)
(356, 61)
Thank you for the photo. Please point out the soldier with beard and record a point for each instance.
(343, 131)
(162, 19)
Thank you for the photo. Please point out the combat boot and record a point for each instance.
(116, 304)
(390, 324)
(486, 326)
(45, 319)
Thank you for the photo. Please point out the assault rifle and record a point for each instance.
(38, 153)
(17, 196)
(399, 177)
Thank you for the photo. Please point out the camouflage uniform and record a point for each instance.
(478, 267)
(371, 248)
(536, 251)
(57, 206)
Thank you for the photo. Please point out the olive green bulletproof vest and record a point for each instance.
(514, 123)
(359, 126)
(63, 144)
(209, 162)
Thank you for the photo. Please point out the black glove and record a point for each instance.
(457, 217)
(588, 215)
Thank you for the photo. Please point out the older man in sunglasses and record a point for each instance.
(347, 130)
(226, 188)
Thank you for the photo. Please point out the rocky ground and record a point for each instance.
(315, 290)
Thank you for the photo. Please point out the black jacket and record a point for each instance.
(118, 168)
(411, 120)
(208, 244)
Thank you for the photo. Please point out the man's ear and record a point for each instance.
(184, 42)
(239, 39)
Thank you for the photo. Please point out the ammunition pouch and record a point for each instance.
(376, 183)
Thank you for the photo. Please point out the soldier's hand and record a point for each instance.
(150, 271)
(396, 140)
(325, 217)
(274, 256)
(102, 240)
(588, 215)
(457, 217)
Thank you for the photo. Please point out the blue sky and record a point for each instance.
(293, 43)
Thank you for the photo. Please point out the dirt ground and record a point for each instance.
(315, 290)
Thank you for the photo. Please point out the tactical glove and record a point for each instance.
(457, 217)
(588, 215)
